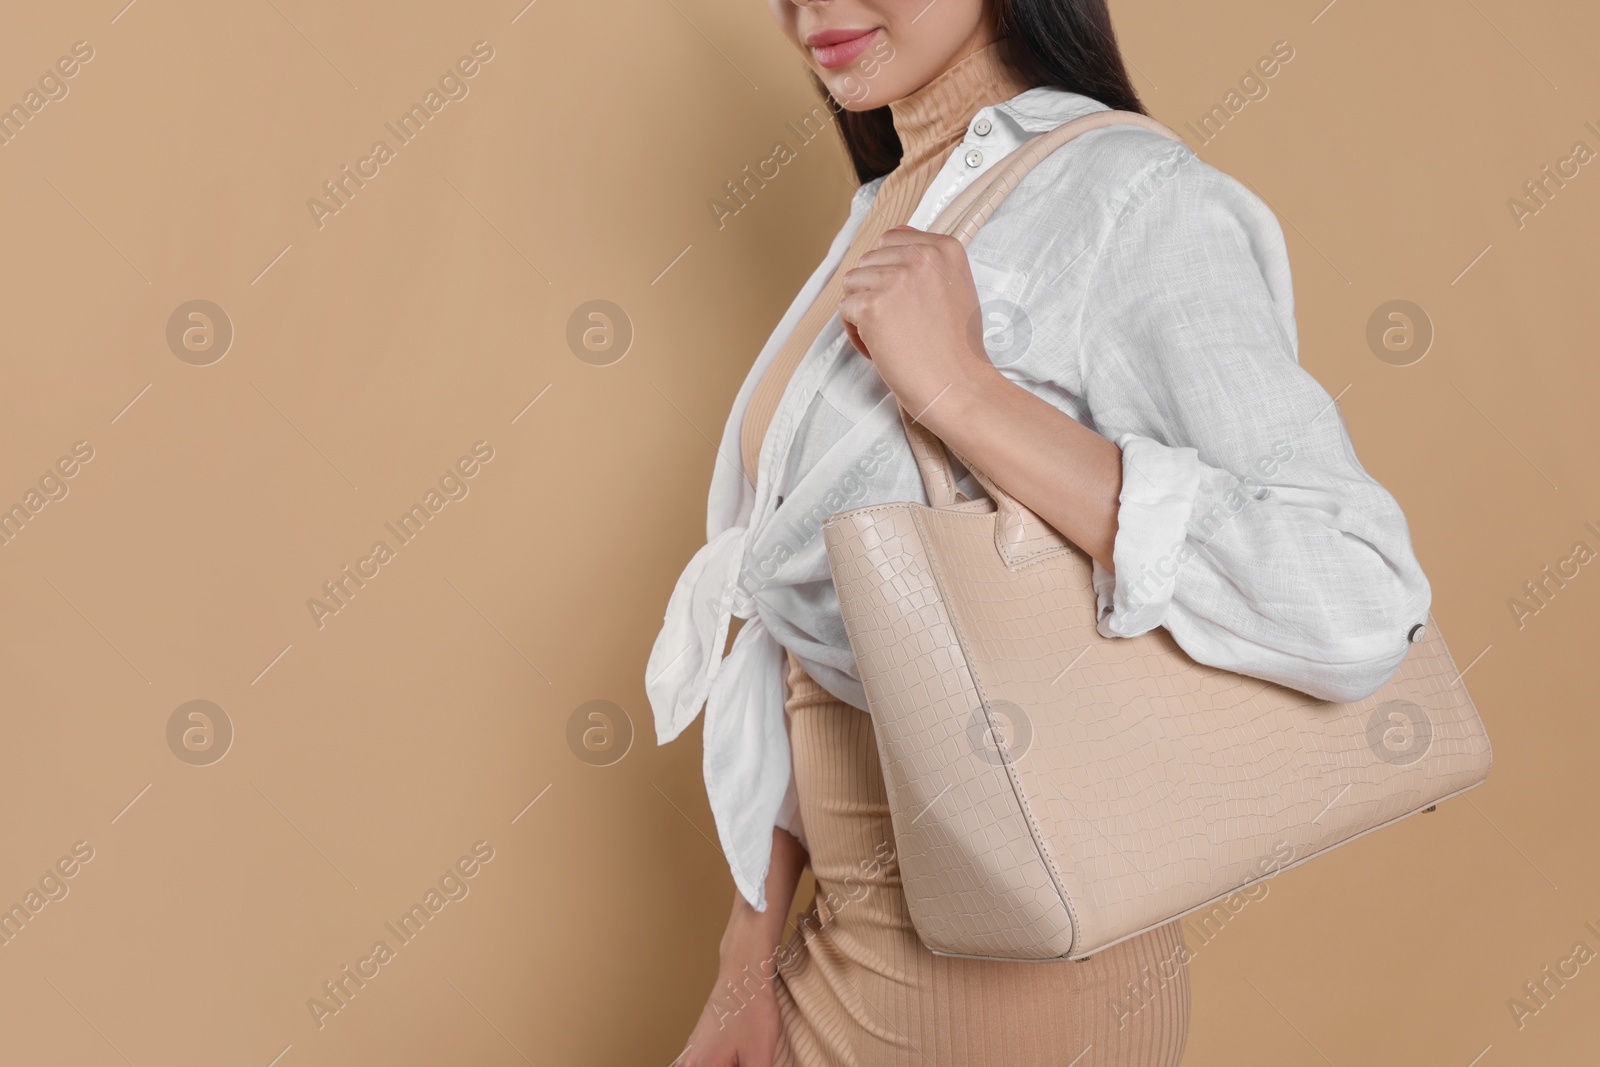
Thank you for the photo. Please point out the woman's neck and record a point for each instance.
(932, 119)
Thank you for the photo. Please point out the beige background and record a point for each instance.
(425, 316)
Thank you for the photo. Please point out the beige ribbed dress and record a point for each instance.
(857, 988)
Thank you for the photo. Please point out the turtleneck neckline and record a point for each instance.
(935, 117)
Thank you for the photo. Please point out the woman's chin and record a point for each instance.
(859, 105)
(847, 94)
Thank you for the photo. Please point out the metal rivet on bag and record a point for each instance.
(982, 127)
(974, 158)
(1418, 632)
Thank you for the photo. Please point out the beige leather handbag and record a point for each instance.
(1055, 792)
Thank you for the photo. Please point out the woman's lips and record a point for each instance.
(835, 48)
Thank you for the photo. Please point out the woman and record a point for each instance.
(1117, 348)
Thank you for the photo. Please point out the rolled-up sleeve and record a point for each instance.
(1246, 525)
(788, 817)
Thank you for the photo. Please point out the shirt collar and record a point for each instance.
(1034, 111)
(1044, 108)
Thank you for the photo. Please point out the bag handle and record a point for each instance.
(1021, 534)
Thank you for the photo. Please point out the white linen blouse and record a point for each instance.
(1147, 295)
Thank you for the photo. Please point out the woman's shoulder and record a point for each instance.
(1103, 175)
(1106, 163)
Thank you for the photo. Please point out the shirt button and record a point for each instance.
(974, 158)
(982, 127)
(1418, 632)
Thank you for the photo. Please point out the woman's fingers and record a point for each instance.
(899, 235)
(855, 337)
(851, 309)
(887, 256)
(907, 236)
(907, 270)
(945, 255)
(860, 279)
(856, 341)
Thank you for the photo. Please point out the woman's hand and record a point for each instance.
(739, 1026)
(911, 307)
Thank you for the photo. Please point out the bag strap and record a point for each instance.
(961, 220)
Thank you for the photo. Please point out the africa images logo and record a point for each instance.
(1399, 732)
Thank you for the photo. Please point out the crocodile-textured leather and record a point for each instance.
(1055, 792)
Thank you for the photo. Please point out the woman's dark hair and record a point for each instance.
(1064, 44)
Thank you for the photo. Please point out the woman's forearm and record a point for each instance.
(1068, 474)
(740, 1022)
(754, 936)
